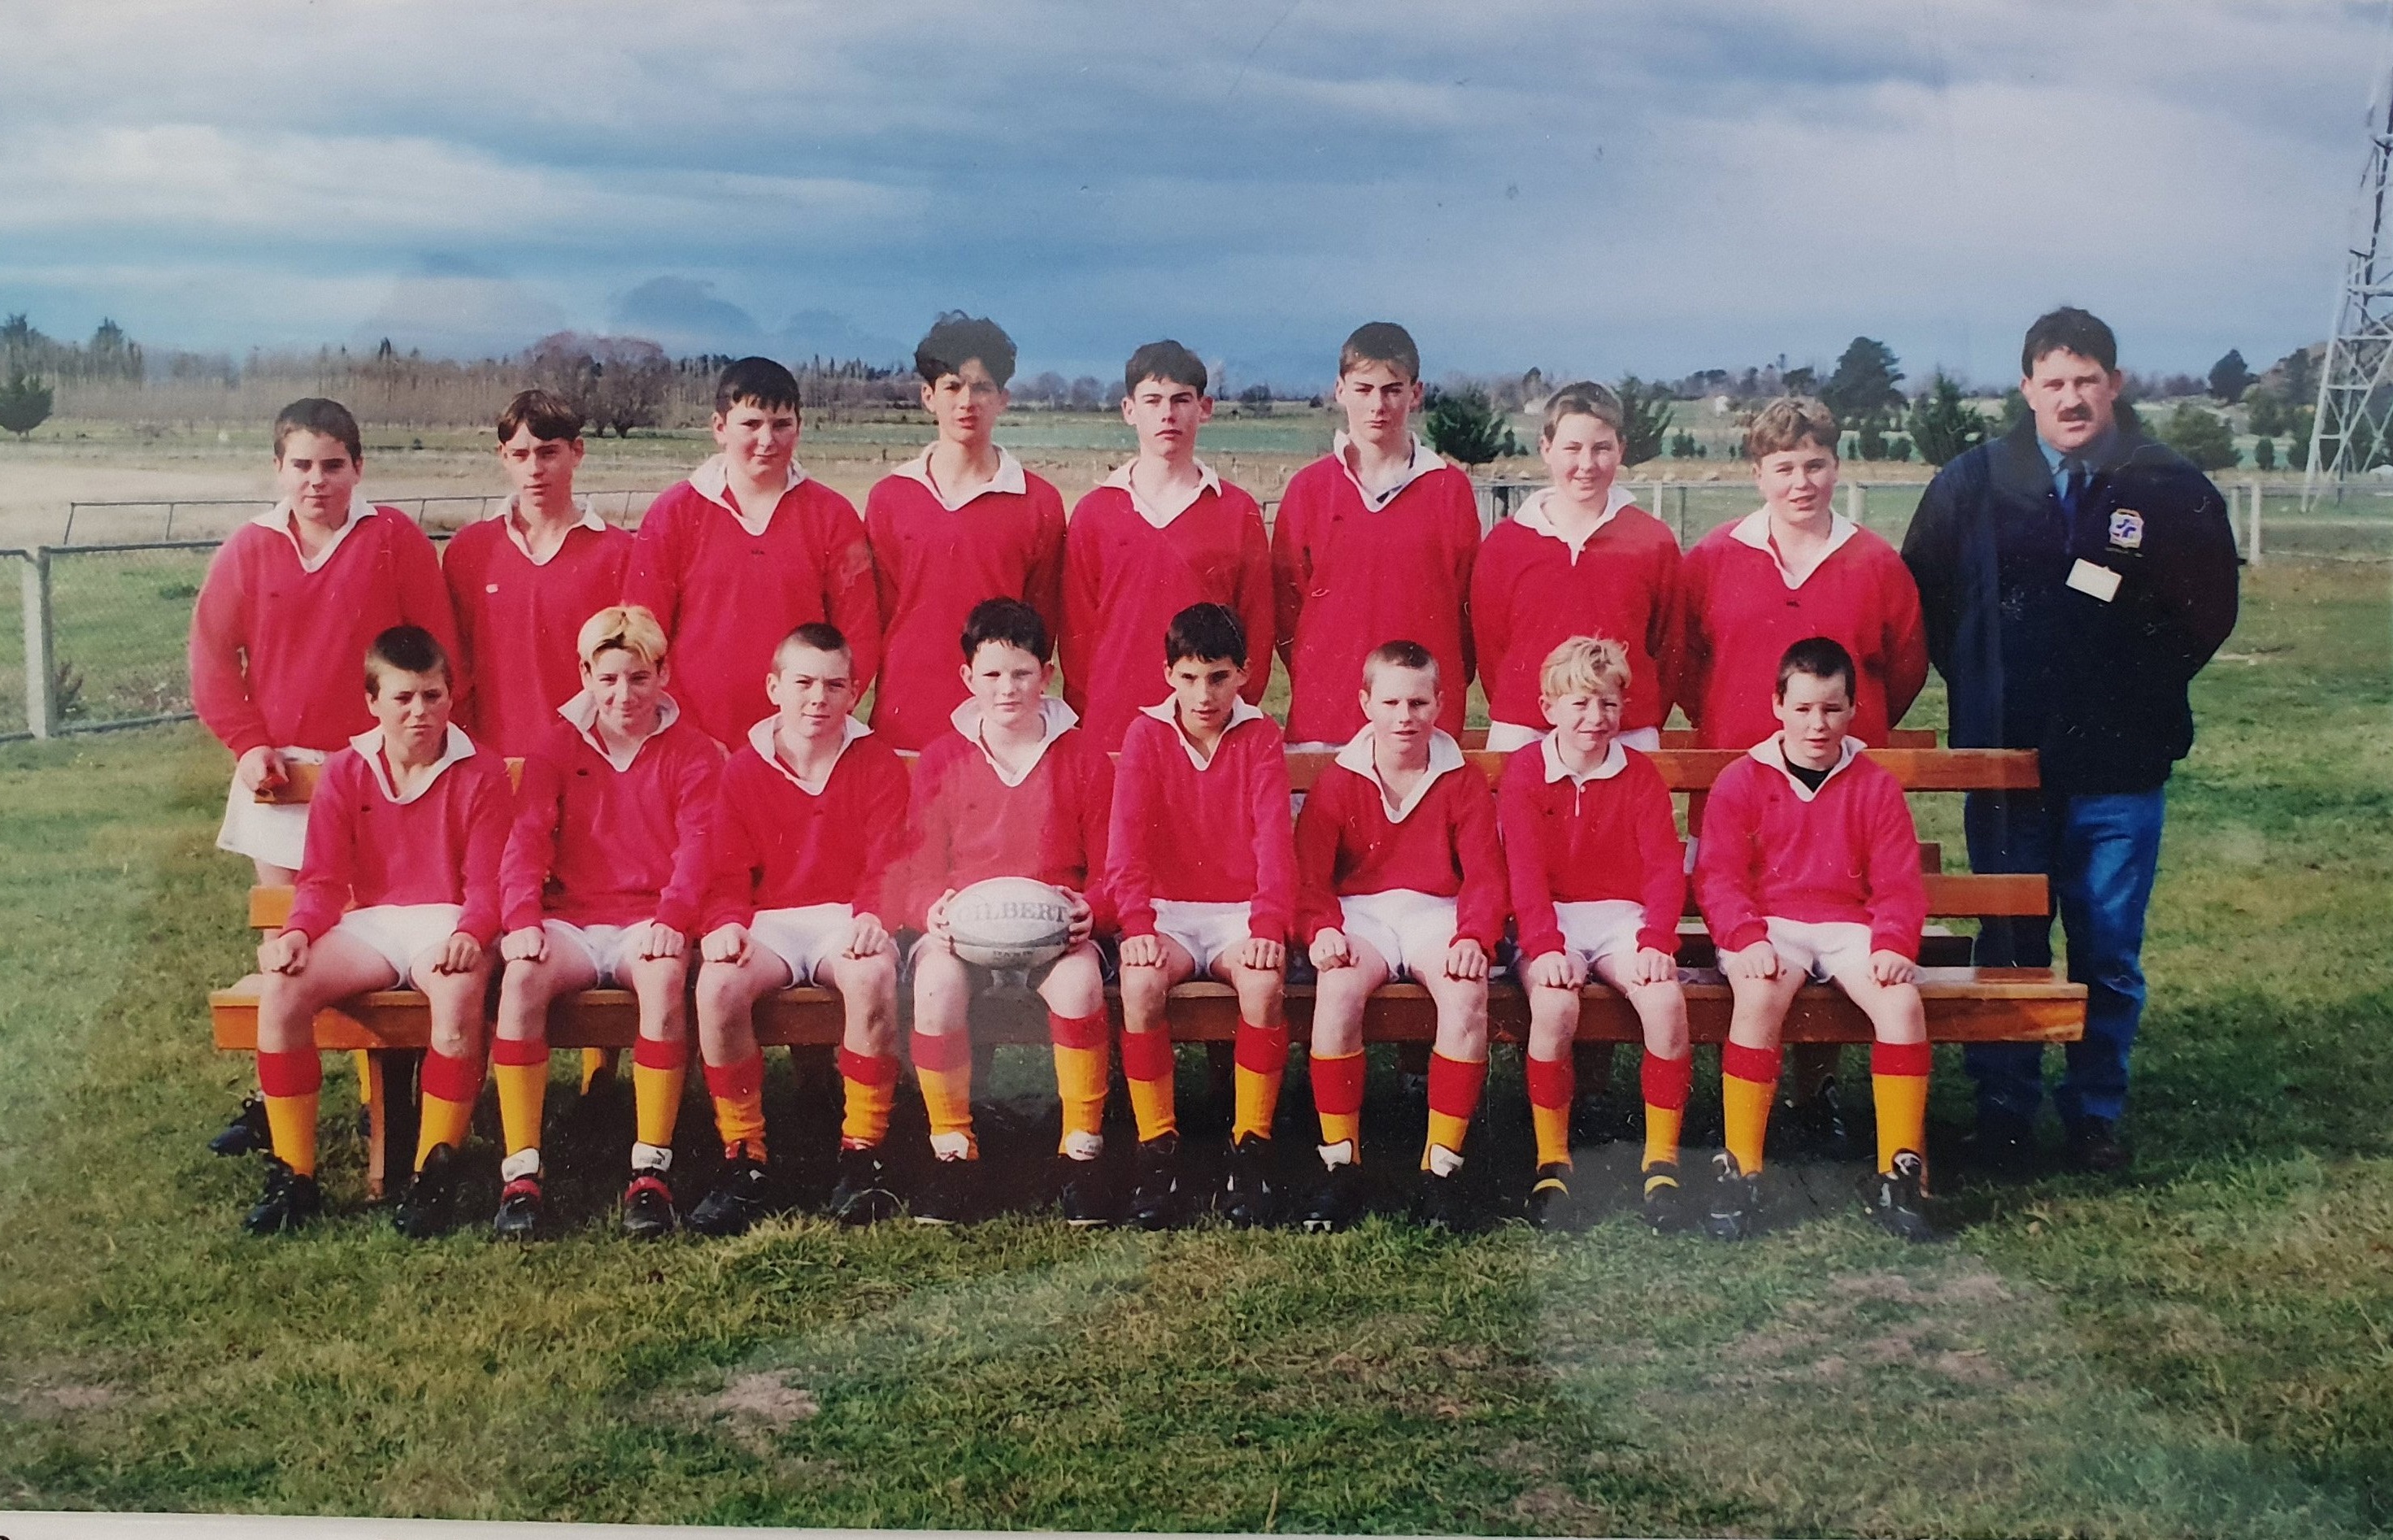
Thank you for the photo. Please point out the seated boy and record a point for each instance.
(1203, 875)
(1012, 789)
(1163, 533)
(960, 523)
(1598, 878)
(813, 805)
(399, 885)
(603, 883)
(1399, 876)
(1808, 868)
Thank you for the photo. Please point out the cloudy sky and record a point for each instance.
(1649, 187)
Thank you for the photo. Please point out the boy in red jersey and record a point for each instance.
(291, 601)
(1399, 876)
(410, 897)
(813, 805)
(1012, 789)
(603, 883)
(730, 560)
(523, 580)
(960, 523)
(1203, 875)
(1163, 533)
(1808, 868)
(1373, 541)
(1598, 878)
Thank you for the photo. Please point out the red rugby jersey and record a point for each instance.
(1211, 833)
(1771, 846)
(441, 845)
(1609, 837)
(1443, 842)
(783, 844)
(518, 621)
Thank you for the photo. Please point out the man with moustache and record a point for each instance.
(2074, 575)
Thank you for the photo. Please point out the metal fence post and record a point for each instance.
(2252, 545)
(1682, 515)
(41, 710)
(1853, 501)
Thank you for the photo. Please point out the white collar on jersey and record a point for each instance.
(764, 738)
(1054, 717)
(1424, 460)
(1771, 751)
(1160, 515)
(368, 744)
(1168, 713)
(505, 514)
(277, 519)
(1010, 477)
(1533, 518)
(712, 481)
(1615, 760)
(582, 712)
(1754, 529)
(1445, 755)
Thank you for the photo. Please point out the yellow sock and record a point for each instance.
(1262, 1061)
(869, 1084)
(739, 1094)
(1453, 1087)
(292, 1084)
(1148, 1064)
(1662, 1125)
(451, 1087)
(1082, 1056)
(1552, 1082)
(1749, 1085)
(599, 1064)
(656, 1071)
(1338, 1097)
(1899, 1089)
(521, 1070)
(942, 1068)
(1664, 1083)
(362, 1062)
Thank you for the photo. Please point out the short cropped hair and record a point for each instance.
(549, 415)
(816, 636)
(1787, 424)
(2069, 330)
(1399, 654)
(1584, 399)
(315, 415)
(1379, 342)
(955, 339)
(621, 628)
(403, 649)
(1822, 657)
(1164, 360)
(755, 382)
(1008, 621)
(1208, 632)
(1583, 665)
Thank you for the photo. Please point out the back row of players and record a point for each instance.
(522, 633)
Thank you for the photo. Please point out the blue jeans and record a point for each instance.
(2100, 852)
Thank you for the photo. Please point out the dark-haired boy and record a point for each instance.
(1163, 533)
(399, 885)
(1808, 868)
(960, 523)
(1373, 541)
(749, 547)
(1203, 875)
(1012, 790)
(522, 580)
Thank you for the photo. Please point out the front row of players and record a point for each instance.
(805, 858)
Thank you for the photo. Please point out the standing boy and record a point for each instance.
(813, 805)
(1399, 876)
(1375, 541)
(1163, 533)
(961, 523)
(1203, 874)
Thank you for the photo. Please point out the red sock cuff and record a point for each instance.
(1551, 1081)
(1260, 1050)
(948, 1050)
(657, 1053)
(734, 1082)
(451, 1080)
(869, 1069)
(1147, 1055)
(1338, 1084)
(1900, 1058)
(1664, 1081)
(1455, 1084)
(1751, 1064)
(519, 1050)
(1078, 1031)
(295, 1074)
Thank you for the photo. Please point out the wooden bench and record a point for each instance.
(1965, 1003)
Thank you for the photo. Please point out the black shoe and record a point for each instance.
(1440, 1206)
(649, 1208)
(1734, 1212)
(1155, 1195)
(1664, 1204)
(1084, 1195)
(950, 1194)
(1550, 1197)
(1249, 1199)
(1897, 1200)
(247, 1133)
(290, 1201)
(430, 1205)
(737, 1201)
(1338, 1201)
(862, 1194)
(2003, 1144)
(519, 1214)
(2093, 1146)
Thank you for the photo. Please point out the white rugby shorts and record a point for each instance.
(404, 934)
(1204, 930)
(803, 938)
(1602, 928)
(1411, 931)
(275, 833)
(1825, 948)
(603, 944)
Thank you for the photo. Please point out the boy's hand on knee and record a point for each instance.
(286, 953)
(1652, 965)
(1329, 949)
(462, 954)
(1263, 954)
(663, 941)
(1893, 968)
(1141, 951)
(725, 943)
(1556, 971)
(528, 945)
(1466, 959)
(867, 936)
(1082, 918)
(1757, 961)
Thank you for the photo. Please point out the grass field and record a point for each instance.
(2206, 1349)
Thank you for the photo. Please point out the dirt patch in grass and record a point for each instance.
(753, 1408)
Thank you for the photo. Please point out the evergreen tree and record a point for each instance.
(1465, 426)
(2201, 436)
(2230, 377)
(24, 404)
(1864, 381)
(1646, 412)
(1943, 424)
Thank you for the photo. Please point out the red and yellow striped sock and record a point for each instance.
(1147, 1065)
(739, 1093)
(291, 1084)
(1552, 1082)
(869, 1083)
(1261, 1061)
(599, 1063)
(1453, 1087)
(1083, 1053)
(362, 1062)
(1748, 1084)
(520, 1066)
(450, 1087)
(658, 1069)
(943, 1067)
(1338, 1098)
(1664, 1084)
(1899, 1088)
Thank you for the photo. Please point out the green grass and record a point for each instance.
(2200, 1349)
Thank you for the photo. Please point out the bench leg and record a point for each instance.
(377, 1102)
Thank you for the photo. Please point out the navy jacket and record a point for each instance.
(2098, 687)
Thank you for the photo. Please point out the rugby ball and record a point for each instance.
(1010, 922)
